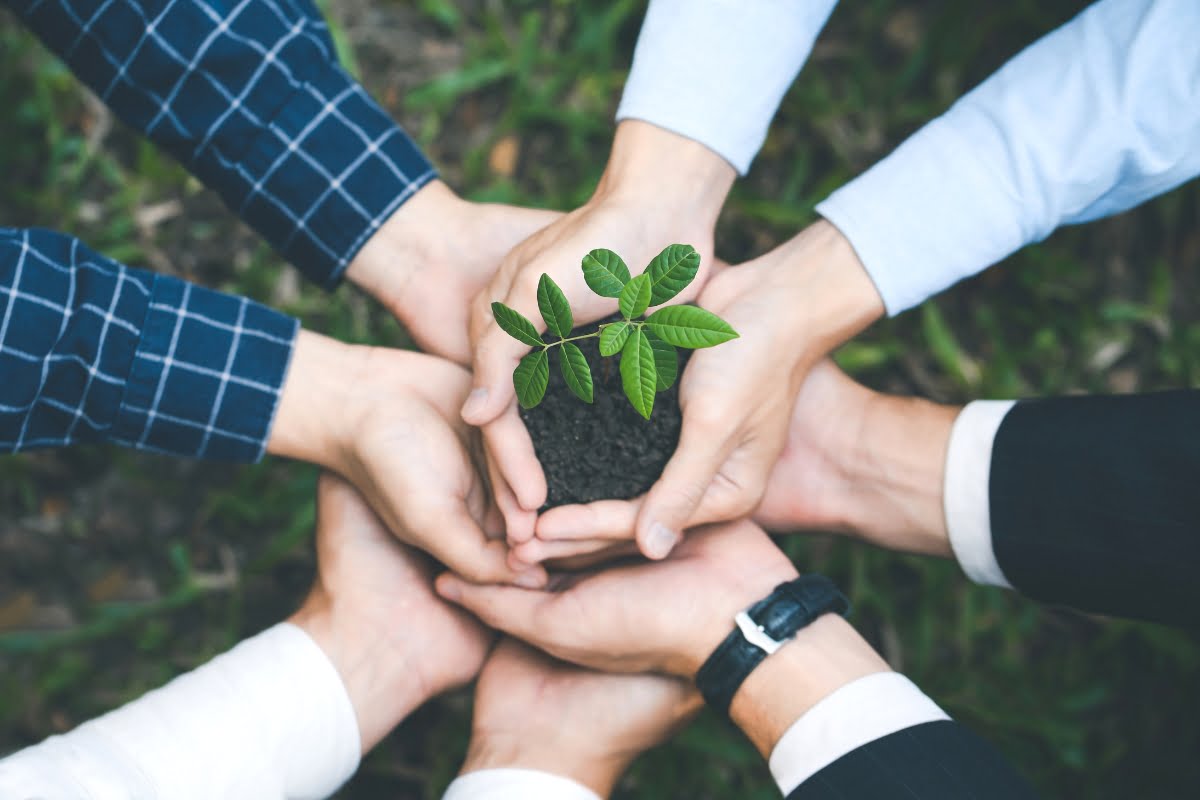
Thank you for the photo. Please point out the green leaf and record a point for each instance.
(531, 377)
(613, 337)
(666, 361)
(576, 371)
(638, 373)
(516, 325)
(671, 271)
(635, 297)
(689, 326)
(605, 272)
(554, 307)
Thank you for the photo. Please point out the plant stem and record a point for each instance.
(591, 335)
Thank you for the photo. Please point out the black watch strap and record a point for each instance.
(761, 630)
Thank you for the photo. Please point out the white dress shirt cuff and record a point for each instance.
(516, 784)
(715, 70)
(268, 720)
(860, 712)
(966, 499)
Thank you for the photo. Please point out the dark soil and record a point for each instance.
(602, 451)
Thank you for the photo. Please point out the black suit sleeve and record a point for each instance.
(932, 761)
(1095, 503)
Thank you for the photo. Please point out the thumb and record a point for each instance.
(497, 354)
(466, 549)
(673, 500)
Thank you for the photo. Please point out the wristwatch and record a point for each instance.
(761, 630)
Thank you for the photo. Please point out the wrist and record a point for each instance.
(670, 178)
(822, 658)
(323, 379)
(597, 771)
(820, 269)
(898, 465)
(379, 684)
(407, 243)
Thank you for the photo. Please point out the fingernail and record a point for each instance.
(660, 541)
(530, 580)
(475, 402)
(449, 589)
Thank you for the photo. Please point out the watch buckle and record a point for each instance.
(755, 634)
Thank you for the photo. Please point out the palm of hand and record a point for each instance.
(524, 695)
(646, 617)
(413, 462)
(388, 588)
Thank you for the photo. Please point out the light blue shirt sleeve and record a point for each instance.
(1094, 118)
(716, 70)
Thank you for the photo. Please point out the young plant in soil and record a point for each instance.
(649, 360)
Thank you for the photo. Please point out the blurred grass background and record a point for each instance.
(119, 570)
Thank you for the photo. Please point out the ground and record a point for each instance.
(119, 570)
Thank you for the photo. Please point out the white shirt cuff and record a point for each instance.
(516, 784)
(862, 711)
(966, 497)
(268, 720)
(716, 70)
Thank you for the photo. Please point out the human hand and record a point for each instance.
(790, 307)
(864, 463)
(664, 617)
(658, 188)
(433, 256)
(387, 420)
(533, 712)
(668, 617)
(372, 610)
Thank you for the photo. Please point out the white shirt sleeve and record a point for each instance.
(862, 711)
(1096, 117)
(715, 70)
(516, 784)
(268, 720)
(965, 495)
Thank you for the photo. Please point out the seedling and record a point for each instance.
(649, 362)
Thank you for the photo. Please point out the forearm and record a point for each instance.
(97, 351)
(270, 720)
(253, 102)
(680, 183)
(715, 71)
(995, 172)
(896, 474)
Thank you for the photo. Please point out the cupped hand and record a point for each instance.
(790, 308)
(658, 189)
(534, 712)
(664, 616)
(373, 611)
(387, 420)
(433, 256)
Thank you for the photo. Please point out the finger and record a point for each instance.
(604, 519)
(616, 551)
(467, 551)
(537, 551)
(509, 609)
(509, 446)
(497, 355)
(674, 499)
(518, 523)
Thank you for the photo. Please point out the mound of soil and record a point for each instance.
(602, 451)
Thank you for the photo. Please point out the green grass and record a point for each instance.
(1086, 707)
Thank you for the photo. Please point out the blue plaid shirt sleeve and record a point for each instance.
(91, 350)
(249, 96)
